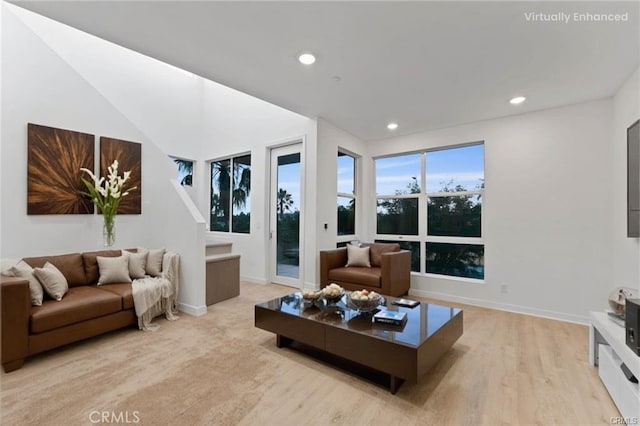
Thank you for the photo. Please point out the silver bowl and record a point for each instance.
(365, 305)
(333, 299)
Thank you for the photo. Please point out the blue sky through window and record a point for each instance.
(461, 166)
(397, 173)
(464, 166)
(346, 174)
(289, 180)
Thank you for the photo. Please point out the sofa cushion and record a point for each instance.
(125, 291)
(357, 256)
(52, 280)
(378, 249)
(113, 270)
(137, 264)
(357, 275)
(91, 263)
(154, 261)
(23, 270)
(69, 264)
(79, 304)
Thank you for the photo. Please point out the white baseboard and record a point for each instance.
(256, 280)
(543, 313)
(196, 311)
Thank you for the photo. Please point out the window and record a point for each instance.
(413, 247)
(455, 184)
(346, 194)
(432, 201)
(185, 171)
(397, 192)
(459, 260)
(231, 194)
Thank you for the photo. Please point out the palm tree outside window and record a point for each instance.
(231, 195)
(185, 171)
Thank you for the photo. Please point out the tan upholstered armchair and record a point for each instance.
(389, 274)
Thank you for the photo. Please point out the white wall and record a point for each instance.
(330, 140)
(626, 251)
(547, 210)
(187, 238)
(236, 123)
(41, 86)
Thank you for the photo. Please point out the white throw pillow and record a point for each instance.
(24, 270)
(113, 270)
(137, 263)
(52, 280)
(358, 256)
(154, 262)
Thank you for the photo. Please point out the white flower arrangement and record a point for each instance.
(107, 194)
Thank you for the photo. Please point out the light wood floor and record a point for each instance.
(506, 369)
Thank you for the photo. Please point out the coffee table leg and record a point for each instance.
(282, 341)
(394, 384)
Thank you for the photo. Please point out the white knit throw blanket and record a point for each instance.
(153, 296)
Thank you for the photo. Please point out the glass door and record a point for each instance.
(286, 212)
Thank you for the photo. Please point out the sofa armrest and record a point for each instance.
(396, 273)
(15, 305)
(331, 259)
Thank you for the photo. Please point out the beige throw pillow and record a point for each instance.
(358, 256)
(137, 263)
(52, 280)
(23, 270)
(113, 270)
(154, 262)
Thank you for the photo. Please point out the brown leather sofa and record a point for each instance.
(86, 310)
(389, 274)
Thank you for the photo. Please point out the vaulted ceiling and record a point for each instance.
(424, 65)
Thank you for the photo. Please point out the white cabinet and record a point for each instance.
(607, 350)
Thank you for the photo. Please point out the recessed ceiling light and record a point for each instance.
(306, 58)
(517, 100)
(392, 126)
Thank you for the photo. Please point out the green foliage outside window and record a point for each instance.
(455, 182)
(230, 194)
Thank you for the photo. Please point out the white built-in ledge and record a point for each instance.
(217, 247)
(222, 256)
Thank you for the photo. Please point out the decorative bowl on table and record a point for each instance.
(364, 300)
(311, 294)
(309, 297)
(333, 292)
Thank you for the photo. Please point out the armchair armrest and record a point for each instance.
(331, 259)
(396, 273)
(15, 306)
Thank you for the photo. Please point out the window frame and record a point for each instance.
(193, 170)
(354, 196)
(423, 236)
(232, 160)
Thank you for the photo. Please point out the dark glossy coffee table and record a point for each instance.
(404, 353)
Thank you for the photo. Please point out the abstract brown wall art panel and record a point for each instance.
(129, 156)
(54, 159)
